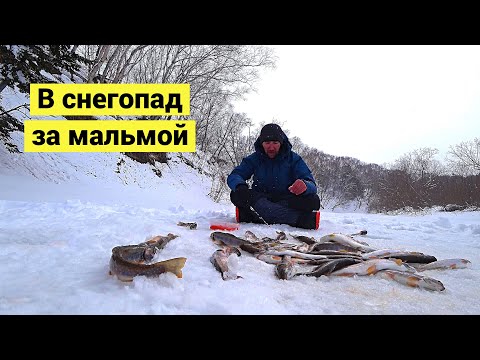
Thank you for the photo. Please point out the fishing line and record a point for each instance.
(261, 218)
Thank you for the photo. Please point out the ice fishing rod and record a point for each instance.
(256, 213)
(361, 232)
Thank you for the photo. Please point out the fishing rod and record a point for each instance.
(261, 218)
(361, 232)
(232, 227)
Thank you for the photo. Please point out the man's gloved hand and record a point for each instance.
(298, 187)
(243, 195)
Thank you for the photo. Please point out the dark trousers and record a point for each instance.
(286, 209)
(309, 202)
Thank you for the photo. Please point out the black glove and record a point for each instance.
(242, 196)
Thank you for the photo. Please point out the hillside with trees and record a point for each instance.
(219, 75)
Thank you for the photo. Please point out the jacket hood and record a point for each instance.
(285, 149)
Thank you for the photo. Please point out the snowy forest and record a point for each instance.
(218, 75)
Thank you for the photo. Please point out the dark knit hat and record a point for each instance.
(271, 132)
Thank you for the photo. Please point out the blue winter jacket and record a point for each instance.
(273, 176)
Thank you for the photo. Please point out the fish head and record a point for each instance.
(284, 271)
(215, 239)
(433, 284)
(149, 253)
(235, 250)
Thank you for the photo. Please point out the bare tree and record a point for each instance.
(112, 63)
(410, 182)
(211, 70)
(392, 192)
(419, 163)
(464, 158)
(217, 75)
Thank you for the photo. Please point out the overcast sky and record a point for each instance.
(372, 102)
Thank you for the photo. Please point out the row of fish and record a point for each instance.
(333, 254)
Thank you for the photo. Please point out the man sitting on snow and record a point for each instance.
(283, 189)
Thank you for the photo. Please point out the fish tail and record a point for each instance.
(124, 278)
(174, 265)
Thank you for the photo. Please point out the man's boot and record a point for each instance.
(309, 220)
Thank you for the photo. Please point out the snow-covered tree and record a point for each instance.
(21, 65)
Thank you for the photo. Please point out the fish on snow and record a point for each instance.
(219, 259)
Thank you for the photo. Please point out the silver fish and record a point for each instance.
(412, 280)
(407, 256)
(223, 238)
(285, 270)
(372, 266)
(381, 254)
(297, 254)
(330, 245)
(304, 248)
(277, 259)
(257, 247)
(330, 266)
(335, 253)
(219, 259)
(159, 241)
(250, 236)
(278, 245)
(346, 240)
(252, 248)
(445, 264)
(305, 239)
